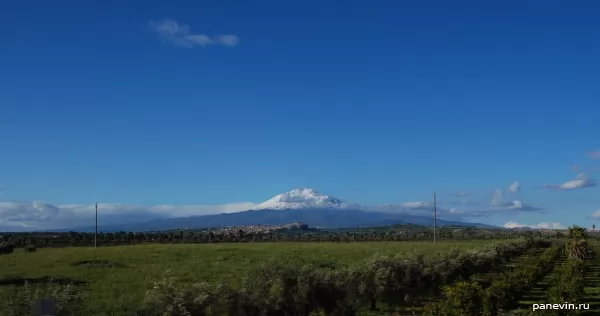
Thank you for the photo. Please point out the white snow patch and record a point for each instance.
(300, 199)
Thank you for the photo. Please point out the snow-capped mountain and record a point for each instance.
(299, 205)
(303, 198)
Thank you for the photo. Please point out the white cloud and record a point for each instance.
(516, 205)
(515, 187)
(465, 202)
(462, 199)
(544, 225)
(580, 182)
(40, 215)
(416, 208)
(595, 154)
(181, 35)
(456, 211)
(416, 205)
(466, 209)
(596, 214)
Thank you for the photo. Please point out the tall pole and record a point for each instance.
(434, 219)
(96, 233)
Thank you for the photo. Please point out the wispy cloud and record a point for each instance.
(544, 225)
(515, 187)
(464, 211)
(580, 182)
(463, 199)
(498, 203)
(465, 202)
(497, 197)
(181, 35)
(594, 154)
(596, 214)
(415, 208)
(41, 215)
(515, 205)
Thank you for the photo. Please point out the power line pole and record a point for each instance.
(96, 233)
(434, 219)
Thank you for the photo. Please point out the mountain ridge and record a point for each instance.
(298, 205)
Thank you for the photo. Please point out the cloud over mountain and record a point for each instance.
(41, 215)
(544, 225)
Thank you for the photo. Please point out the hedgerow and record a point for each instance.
(468, 298)
(279, 288)
(568, 282)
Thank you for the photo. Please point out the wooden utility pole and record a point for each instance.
(434, 219)
(96, 233)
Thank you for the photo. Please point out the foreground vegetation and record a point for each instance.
(564, 294)
(248, 279)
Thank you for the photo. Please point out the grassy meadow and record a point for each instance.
(117, 286)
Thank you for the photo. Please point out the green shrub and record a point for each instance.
(6, 249)
(68, 299)
(168, 298)
(464, 298)
(568, 283)
(30, 248)
(278, 287)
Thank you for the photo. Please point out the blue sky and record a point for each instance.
(214, 102)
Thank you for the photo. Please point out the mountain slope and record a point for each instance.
(330, 218)
(302, 199)
(298, 205)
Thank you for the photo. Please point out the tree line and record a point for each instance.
(19, 240)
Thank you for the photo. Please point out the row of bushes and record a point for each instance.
(278, 288)
(469, 298)
(568, 281)
(69, 299)
(567, 285)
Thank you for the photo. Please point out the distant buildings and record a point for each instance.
(260, 228)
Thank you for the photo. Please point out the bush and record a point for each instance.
(468, 298)
(167, 297)
(568, 284)
(30, 248)
(6, 249)
(68, 299)
(504, 292)
(278, 287)
(464, 298)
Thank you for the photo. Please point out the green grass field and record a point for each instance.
(119, 290)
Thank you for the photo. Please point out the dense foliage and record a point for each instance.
(276, 288)
(568, 282)
(469, 298)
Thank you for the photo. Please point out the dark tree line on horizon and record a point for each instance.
(240, 236)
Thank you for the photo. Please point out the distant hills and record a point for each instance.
(313, 217)
(299, 205)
